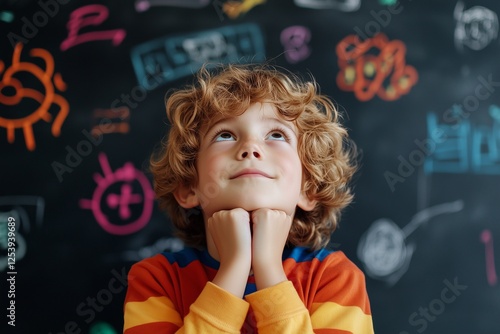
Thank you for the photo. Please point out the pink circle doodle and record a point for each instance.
(125, 174)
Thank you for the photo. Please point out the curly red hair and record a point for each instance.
(326, 152)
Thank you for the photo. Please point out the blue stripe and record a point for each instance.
(250, 288)
(183, 257)
(188, 255)
(304, 254)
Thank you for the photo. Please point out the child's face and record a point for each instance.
(250, 161)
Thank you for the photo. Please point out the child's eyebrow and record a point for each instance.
(282, 122)
(213, 124)
(216, 121)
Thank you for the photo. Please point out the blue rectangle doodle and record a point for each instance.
(467, 148)
(452, 154)
(163, 60)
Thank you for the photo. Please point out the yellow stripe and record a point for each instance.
(334, 316)
(154, 309)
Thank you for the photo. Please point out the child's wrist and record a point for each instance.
(237, 264)
(267, 263)
(268, 275)
(232, 277)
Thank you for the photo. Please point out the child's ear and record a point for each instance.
(306, 203)
(186, 197)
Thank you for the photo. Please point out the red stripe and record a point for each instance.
(342, 282)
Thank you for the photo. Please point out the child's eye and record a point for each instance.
(277, 135)
(223, 136)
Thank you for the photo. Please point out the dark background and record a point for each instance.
(70, 268)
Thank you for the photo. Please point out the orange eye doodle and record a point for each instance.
(12, 93)
(383, 73)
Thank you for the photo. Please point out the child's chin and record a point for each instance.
(253, 203)
(252, 206)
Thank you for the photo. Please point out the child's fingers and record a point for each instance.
(230, 231)
(270, 233)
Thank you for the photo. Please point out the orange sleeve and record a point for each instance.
(340, 303)
(149, 308)
(331, 299)
(341, 306)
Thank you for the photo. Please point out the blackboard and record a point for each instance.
(81, 110)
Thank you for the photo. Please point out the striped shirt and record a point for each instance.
(173, 293)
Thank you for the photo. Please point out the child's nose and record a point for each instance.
(250, 150)
(246, 153)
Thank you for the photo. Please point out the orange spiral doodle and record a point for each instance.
(384, 73)
(45, 99)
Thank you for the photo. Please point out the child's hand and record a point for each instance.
(230, 232)
(270, 232)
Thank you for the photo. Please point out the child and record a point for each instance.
(254, 175)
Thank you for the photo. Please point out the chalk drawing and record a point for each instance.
(476, 27)
(90, 15)
(13, 93)
(6, 16)
(110, 121)
(163, 60)
(383, 250)
(342, 5)
(102, 327)
(17, 208)
(466, 148)
(170, 244)
(144, 5)
(491, 273)
(388, 2)
(234, 9)
(20, 203)
(120, 203)
(295, 41)
(383, 73)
